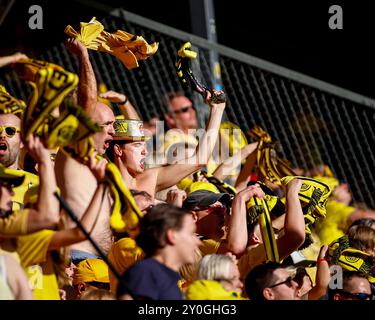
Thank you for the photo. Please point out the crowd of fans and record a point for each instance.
(202, 234)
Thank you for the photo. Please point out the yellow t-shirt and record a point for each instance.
(335, 224)
(31, 251)
(250, 259)
(31, 180)
(38, 264)
(209, 246)
(15, 224)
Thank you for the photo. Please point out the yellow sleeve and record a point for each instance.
(33, 248)
(15, 224)
(336, 222)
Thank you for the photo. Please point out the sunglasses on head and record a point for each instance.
(288, 282)
(356, 296)
(9, 130)
(183, 109)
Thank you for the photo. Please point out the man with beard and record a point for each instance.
(10, 150)
(46, 215)
(75, 179)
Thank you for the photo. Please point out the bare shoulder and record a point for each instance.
(151, 173)
(147, 180)
(69, 169)
(76, 182)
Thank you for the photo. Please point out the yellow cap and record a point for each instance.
(124, 253)
(202, 185)
(90, 270)
(11, 177)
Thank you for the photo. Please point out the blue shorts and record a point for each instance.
(76, 256)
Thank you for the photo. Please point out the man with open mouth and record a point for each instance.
(75, 180)
(10, 154)
(128, 152)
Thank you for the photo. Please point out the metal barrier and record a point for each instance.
(315, 122)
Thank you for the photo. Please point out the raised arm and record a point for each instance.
(68, 237)
(126, 107)
(294, 227)
(170, 175)
(87, 87)
(246, 170)
(323, 276)
(47, 212)
(237, 234)
(226, 167)
(5, 60)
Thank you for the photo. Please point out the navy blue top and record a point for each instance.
(149, 279)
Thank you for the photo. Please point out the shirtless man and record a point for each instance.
(75, 179)
(129, 154)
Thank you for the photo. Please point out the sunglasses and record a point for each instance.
(9, 131)
(183, 109)
(356, 296)
(210, 208)
(288, 282)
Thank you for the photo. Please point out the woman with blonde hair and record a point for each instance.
(217, 278)
(222, 268)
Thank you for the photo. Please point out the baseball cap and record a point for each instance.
(205, 198)
(10, 177)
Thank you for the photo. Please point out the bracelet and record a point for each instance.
(321, 260)
(125, 101)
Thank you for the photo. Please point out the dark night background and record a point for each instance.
(292, 34)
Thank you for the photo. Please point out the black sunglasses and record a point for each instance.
(356, 296)
(288, 282)
(183, 110)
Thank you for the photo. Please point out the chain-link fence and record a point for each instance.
(315, 122)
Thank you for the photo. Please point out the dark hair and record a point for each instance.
(346, 276)
(367, 222)
(110, 152)
(170, 96)
(99, 285)
(259, 278)
(140, 193)
(154, 226)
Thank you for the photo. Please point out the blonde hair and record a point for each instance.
(214, 267)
